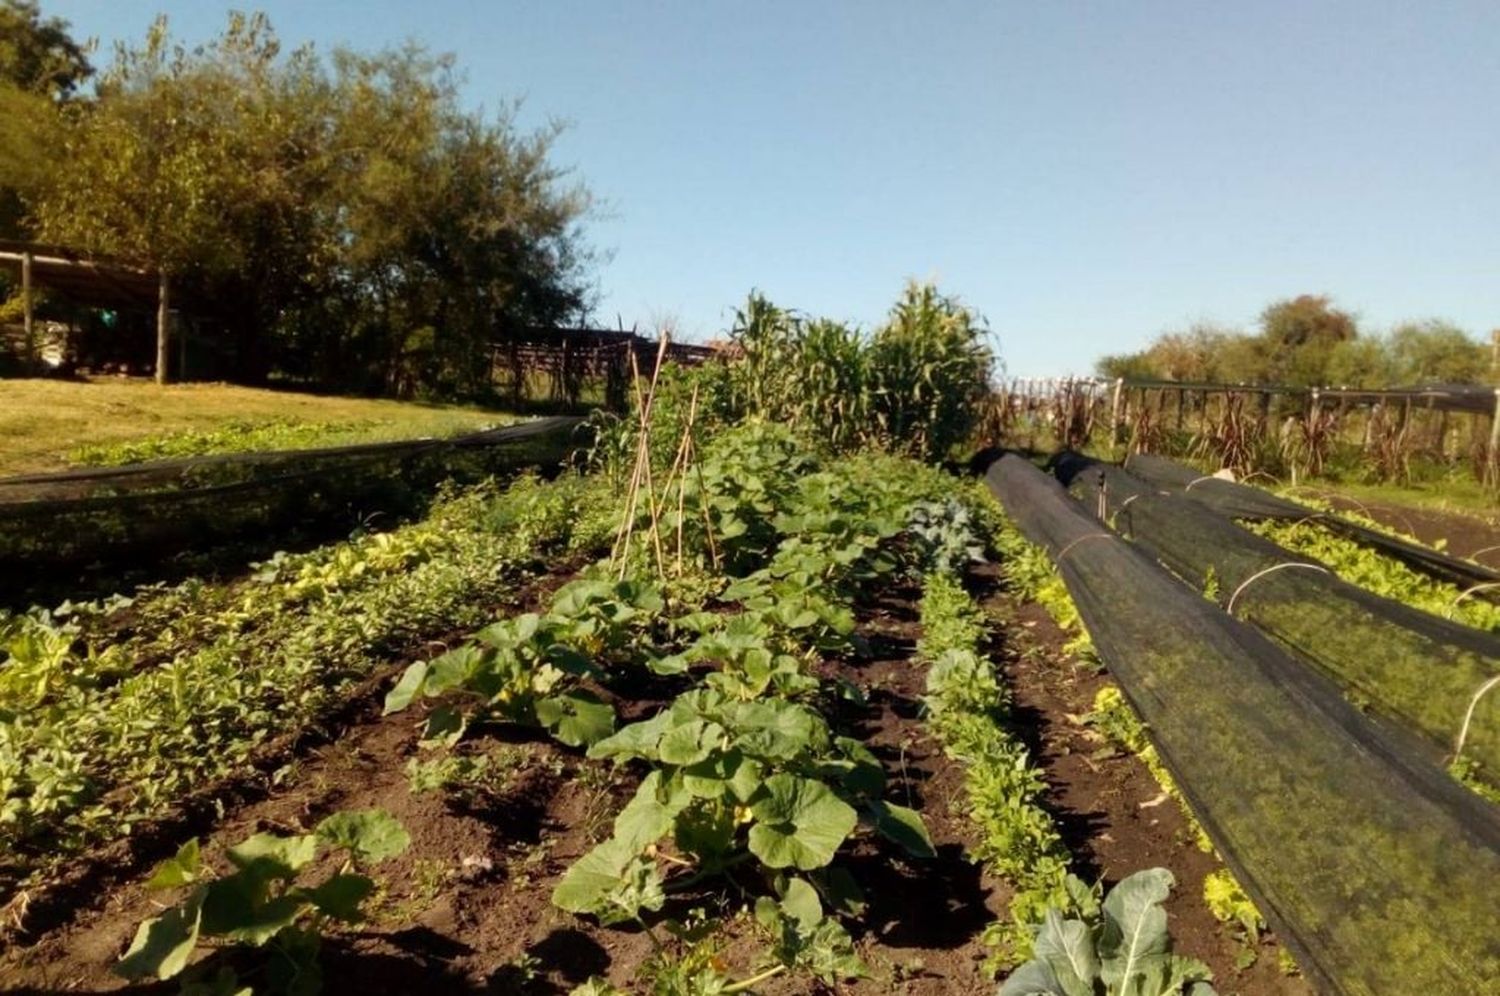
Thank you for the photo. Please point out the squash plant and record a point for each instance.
(266, 901)
(527, 670)
(733, 781)
(766, 647)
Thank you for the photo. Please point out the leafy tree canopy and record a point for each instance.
(39, 55)
(344, 216)
(1305, 341)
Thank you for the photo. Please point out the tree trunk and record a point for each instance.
(163, 320)
(30, 319)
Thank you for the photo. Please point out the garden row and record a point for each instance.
(722, 662)
(118, 714)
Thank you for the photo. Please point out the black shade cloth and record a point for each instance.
(1376, 869)
(56, 522)
(1419, 670)
(1242, 501)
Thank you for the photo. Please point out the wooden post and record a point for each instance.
(26, 311)
(163, 303)
(1494, 450)
(1114, 412)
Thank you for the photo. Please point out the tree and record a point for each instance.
(1436, 352)
(1131, 366)
(347, 219)
(1363, 362)
(40, 65)
(1205, 352)
(1300, 334)
(39, 56)
(1304, 320)
(29, 123)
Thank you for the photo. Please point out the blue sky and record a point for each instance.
(1085, 174)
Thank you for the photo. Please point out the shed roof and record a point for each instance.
(100, 281)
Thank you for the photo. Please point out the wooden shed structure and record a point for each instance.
(96, 281)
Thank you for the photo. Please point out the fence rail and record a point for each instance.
(1259, 427)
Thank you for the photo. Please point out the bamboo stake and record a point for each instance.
(687, 449)
(627, 528)
(654, 507)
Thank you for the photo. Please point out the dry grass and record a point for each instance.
(41, 421)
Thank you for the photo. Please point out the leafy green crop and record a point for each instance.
(527, 670)
(147, 698)
(945, 535)
(1376, 572)
(968, 709)
(241, 436)
(266, 902)
(1128, 952)
(803, 937)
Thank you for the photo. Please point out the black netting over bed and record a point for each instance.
(1373, 865)
(1421, 671)
(59, 522)
(1242, 501)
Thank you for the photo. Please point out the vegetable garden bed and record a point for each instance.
(914, 849)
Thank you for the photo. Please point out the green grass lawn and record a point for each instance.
(53, 424)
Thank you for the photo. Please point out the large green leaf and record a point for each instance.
(707, 833)
(577, 718)
(445, 727)
(1035, 978)
(730, 772)
(163, 944)
(268, 856)
(400, 696)
(370, 835)
(902, 825)
(340, 896)
(235, 907)
(611, 882)
(861, 772)
(583, 887)
(1068, 947)
(455, 668)
(801, 903)
(778, 729)
(690, 742)
(180, 869)
(1133, 942)
(800, 823)
(636, 740)
(651, 812)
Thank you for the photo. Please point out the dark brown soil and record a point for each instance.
(467, 908)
